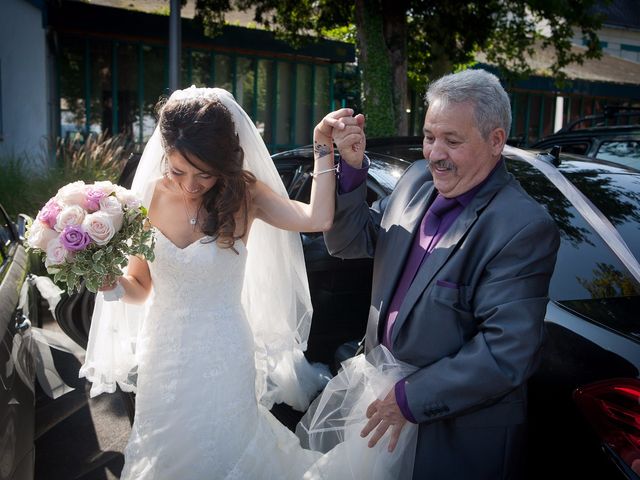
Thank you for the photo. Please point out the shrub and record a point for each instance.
(26, 183)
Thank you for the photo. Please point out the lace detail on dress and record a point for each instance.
(197, 415)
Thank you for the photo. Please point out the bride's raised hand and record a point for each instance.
(341, 127)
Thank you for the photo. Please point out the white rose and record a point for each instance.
(40, 234)
(56, 253)
(127, 198)
(72, 193)
(72, 215)
(99, 226)
(112, 207)
(107, 187)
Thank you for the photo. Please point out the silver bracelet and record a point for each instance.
(114, 294)
(315, 174)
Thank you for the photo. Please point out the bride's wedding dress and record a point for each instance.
(197, 416)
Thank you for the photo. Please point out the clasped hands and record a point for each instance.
(346, 131)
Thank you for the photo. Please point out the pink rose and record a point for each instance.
(49, 213)
(107, 187)
(40, 234)
(72, 193)
(73, 215)
(56, 253)
(93, 197)
(99, 226)
(127, 197)
(111, 206)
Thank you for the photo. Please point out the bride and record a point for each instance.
(211, 333)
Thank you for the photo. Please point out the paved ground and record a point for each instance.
(78, 437)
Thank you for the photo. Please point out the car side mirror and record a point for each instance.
(21, 225)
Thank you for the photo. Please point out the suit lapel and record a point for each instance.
(448, 245)
(400, 241)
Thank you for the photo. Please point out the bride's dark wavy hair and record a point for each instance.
(204, 129)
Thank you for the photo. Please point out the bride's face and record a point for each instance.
(192, 178)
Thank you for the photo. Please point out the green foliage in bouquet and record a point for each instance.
(99, 265)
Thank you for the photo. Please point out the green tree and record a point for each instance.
(403, 42)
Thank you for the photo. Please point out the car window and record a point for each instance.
(589, 279)
(406, 152)
(304, 194)
(625, 152)
(286, 174)
(577, 148)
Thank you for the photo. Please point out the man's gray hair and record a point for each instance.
(481, 89)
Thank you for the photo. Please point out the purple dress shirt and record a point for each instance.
(427, 238)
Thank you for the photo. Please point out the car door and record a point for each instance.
(17, 374)
(340, 289)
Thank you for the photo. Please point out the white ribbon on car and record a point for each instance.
(601, 224)
(37, 343)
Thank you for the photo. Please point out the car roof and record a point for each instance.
(572, 162)
(591, 133)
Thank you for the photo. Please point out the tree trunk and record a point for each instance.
(375, 65)
(394, 13)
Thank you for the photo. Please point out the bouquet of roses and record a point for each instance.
(87, 231)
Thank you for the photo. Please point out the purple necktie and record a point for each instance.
(424, 242)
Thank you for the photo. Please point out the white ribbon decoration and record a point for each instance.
(588, 210)
(37, 342)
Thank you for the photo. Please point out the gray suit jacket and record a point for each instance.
(472, 320)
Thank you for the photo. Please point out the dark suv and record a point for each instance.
(601, 136)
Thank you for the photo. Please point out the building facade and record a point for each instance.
(109, 68)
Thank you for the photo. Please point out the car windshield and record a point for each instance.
(589, 278)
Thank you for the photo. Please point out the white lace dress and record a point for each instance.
(197, 416)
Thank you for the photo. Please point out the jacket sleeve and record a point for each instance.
(355, 225)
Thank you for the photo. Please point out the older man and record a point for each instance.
(462, 263)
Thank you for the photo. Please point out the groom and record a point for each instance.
(462, 263)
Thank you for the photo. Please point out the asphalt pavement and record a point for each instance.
(78, 437)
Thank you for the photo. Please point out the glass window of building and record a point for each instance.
(126, 108)
(245, 84)
(155, 82)
(283, 116)
(71, 68)
(222, 72)
(266, 101)
(304, 93)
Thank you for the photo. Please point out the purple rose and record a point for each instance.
(93, 197)
(49, 213)
(74, 238)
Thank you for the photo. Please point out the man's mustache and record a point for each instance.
(442, 164)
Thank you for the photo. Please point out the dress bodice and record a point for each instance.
(201, 274)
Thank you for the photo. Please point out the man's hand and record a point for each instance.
(351, 140)
(384, 414)
(347, 133)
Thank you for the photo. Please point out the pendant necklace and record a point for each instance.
(193, 220)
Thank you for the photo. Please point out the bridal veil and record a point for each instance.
(275, 293)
